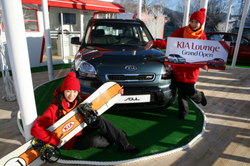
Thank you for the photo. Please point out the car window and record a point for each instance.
(227, 37)
(243, 40)
(113, 33)
(234, 38)
(214, 37)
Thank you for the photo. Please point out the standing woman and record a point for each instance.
(66, 98)
(186, 77)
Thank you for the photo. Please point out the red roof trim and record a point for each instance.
(82, 4)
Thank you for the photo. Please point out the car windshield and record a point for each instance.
(116, 34)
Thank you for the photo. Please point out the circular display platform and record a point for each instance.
(155, 132)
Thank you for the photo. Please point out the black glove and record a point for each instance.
(46, 150)
(87, 112)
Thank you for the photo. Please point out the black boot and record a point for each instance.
(204, 100)
(126, 147)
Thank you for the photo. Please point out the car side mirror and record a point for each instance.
(75, 40)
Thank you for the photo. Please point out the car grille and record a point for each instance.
(130, 77)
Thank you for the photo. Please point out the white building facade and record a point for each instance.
(67, 19)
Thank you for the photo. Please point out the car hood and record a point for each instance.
(110, 61)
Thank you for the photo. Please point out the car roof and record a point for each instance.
(117, 20)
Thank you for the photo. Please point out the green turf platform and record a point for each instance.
(155, 132)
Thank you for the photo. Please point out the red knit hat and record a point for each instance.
(71, 82)
(199, 15)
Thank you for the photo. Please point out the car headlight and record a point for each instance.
(167, 72)
(87, 70)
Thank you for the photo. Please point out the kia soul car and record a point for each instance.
(113, 50)
(175, 58)
(216, 62)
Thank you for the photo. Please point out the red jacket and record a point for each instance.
(182, 74)
(39, 129)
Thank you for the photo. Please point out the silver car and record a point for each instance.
(175, 58)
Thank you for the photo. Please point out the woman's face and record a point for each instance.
(195, 24)
(70, 95)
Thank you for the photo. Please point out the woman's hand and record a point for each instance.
(205, 67)
(121, 91)
(149, 45)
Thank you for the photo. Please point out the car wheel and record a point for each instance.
(216, 65)
(175, 61)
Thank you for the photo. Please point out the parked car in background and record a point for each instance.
(113, 50)
(244, 50)
(175, 58)
(216, 62)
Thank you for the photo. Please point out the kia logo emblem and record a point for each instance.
(68, 126)
(131, 68)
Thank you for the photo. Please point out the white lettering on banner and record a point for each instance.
(194, 46)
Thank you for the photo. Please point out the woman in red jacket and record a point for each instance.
(186, 77)
(66, 98)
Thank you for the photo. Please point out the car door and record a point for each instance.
(244, 49)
